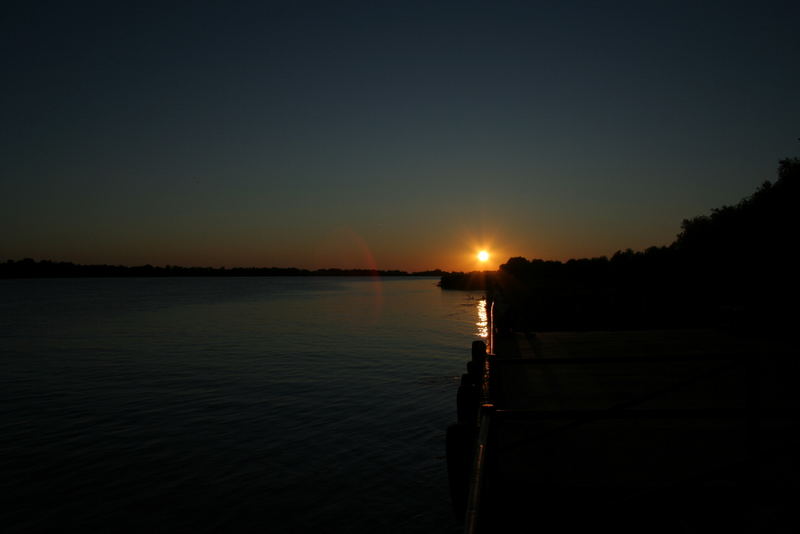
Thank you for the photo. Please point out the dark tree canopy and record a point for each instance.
(732, 266)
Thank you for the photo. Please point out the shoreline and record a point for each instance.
(28, 268)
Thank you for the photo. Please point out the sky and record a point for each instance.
(392, 135)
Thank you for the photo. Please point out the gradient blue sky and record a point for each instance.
(391, 134)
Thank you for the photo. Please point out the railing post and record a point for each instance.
(471, 516)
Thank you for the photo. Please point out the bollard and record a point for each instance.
(478, 351)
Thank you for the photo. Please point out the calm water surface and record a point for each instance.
(229, 404)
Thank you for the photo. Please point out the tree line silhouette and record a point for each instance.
(734, 267)
(29, 268)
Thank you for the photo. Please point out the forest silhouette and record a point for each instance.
(735, 267)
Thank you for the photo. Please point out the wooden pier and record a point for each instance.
(665, 431)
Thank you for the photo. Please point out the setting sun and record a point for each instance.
(483, 256)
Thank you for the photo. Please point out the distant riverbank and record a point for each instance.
(29, 268)
(467, 281)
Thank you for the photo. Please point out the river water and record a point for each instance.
(229, 404)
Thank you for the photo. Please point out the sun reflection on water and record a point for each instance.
(483, 320)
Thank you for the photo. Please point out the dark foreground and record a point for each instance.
(655, 431)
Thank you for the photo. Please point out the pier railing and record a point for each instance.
(483, 354)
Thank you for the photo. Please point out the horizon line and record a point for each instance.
(60, 265)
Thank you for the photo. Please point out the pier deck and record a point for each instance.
(647, 430)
